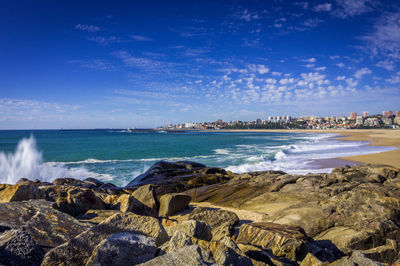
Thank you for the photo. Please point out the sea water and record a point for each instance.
(118, 156)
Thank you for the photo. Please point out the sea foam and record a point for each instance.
(27, 162)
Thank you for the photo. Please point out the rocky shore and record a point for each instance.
(348, 217)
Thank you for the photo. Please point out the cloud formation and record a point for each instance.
(88, 28)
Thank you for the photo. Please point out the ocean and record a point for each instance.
(119, 156)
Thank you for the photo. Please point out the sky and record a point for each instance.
(118, 64)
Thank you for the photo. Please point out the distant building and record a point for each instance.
(365, 114)
(372, 122)
(387, 121)
(387, 113)
(359, 120)
(353, 116)
(398, 114)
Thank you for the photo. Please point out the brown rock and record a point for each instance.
(19, 192)
(220, 221)
(78, 251)
(47, 227)
(283, 240)
(173, 203)
(78, 201)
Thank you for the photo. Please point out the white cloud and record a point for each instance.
(105, 40)
(261, 69)
(303, 4)
(323, 7)
(340, 65)
(312, 22)
(286, 81)
(333, 57)
(247, 15)
(350, 8)
(384, 40)
(98, 64)
(386, 64)
(320, 68)
(141, 38)
(88, 28)
(394, 79)
(276, 74)
(310, 60)
(361, 72)
(340, 78)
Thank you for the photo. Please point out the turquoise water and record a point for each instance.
(118, 157)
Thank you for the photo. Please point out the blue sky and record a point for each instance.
(88, 64)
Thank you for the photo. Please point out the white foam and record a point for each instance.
(301, 158)
(221, 151)
(27, 162)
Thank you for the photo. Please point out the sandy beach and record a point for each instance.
(377, 137)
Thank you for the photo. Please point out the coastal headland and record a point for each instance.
(185, 213)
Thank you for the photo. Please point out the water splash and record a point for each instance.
(27, 162)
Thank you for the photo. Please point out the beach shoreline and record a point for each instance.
(376, 137)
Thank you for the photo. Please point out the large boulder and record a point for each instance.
(97, 216)
(283, 240)
(188, 255)
(47, 226)
(18, 248)
(78, 201)
(19, 192)
(145, 195)
(220, 221)
(192, 228)
(173, 203)
(356, 258)
(123, 249)
(78, 251)
(178, 240)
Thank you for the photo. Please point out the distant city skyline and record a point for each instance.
(103, 64)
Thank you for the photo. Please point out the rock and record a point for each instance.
(192, 228)
(228, 253)
(78, 250)
(78, 201)
(92, 182)
(357, 258)
(346, 238)
(259, 256)
(19, 192)
(145, 195)
(97, 216)
(18, 248)
(67, 182)
(125, 203)
(123, 249)
(178, 240)
(220, 221)
(189, 255)
(283, 240)
(311, 260)
(385, 253)
(161, 168)
(173, 203)
(47, 227)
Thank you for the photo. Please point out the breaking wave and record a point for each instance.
(27, 162)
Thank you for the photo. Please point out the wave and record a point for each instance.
(27, 162)
(302, 157)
